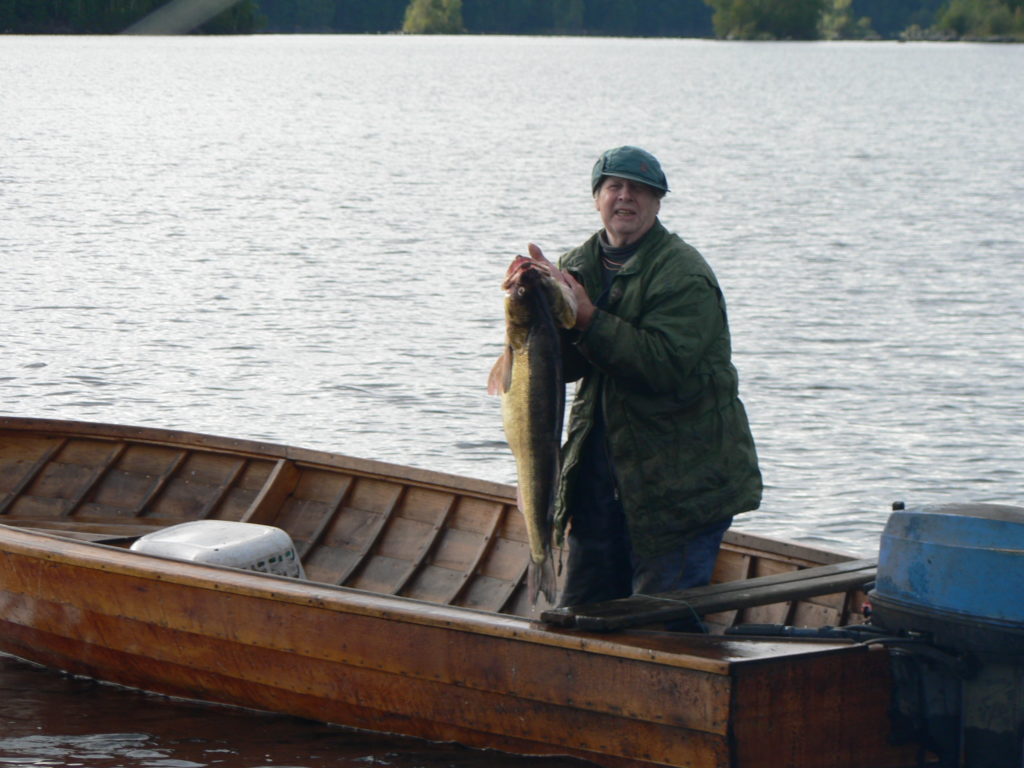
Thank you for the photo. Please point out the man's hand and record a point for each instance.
(584, 306)
(541, 262)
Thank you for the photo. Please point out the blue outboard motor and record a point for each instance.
(951, 580)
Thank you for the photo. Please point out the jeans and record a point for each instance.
(603, 568)
(601, 563)
(690, 566)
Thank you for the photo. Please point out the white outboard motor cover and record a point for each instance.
(248, 546)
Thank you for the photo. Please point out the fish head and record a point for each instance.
(532, 284)
(520, 302)
(517, 271)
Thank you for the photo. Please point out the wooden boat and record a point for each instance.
(413, 618)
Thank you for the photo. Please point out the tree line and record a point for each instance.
(725, 19)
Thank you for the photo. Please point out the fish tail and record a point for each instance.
(540, 579)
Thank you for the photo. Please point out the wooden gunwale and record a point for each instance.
(307, 457)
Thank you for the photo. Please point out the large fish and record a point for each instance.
(528, 376)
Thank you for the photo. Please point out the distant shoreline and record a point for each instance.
(904, 38)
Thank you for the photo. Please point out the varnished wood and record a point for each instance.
(418, 647)
(378, 515)
(208, 509)
(160, 482)
(481, 553)
(29, 476)
(464, 561)
(91, 481)
(425, 545)
(272, 496)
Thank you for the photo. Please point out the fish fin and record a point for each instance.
(500, 378)
(540, 579)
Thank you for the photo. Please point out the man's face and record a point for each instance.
(628, 209)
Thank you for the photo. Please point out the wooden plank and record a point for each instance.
(680, 605)
(325, 564)
(333, 508)
(427, 546)
(373, 535)
(81, 535)
(835, 712)
(486, 546)
(161, 482)
(773, 613)
(275, 491)
(731, 565)
(781, 551)
(115, 528)
(32, 474)
(98, 472)
(211, 506)
(416, 522)
(765, 590)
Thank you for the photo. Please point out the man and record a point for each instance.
(659, 455)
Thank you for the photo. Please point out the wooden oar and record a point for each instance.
(731, 595)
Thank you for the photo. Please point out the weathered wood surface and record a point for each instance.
(639, 610)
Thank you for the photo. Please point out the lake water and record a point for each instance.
(302, 238)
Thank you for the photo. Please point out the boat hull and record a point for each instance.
(435, 672)
(415, 619)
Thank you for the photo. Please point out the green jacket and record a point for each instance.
(657, 357)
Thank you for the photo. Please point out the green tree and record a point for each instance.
(891, 17)
(837, 22)
(767, 19)
(981, 19)
(433, 17)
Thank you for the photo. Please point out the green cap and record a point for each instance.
(629, 163)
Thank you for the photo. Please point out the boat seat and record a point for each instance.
(639, 610)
